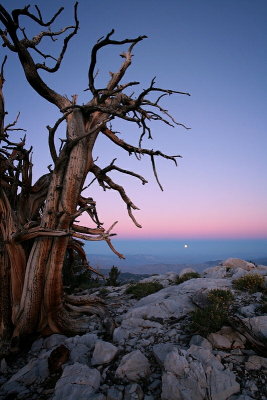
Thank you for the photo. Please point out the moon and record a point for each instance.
(185, 246)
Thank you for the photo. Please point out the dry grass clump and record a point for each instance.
(143, 289)
(251, 282)
(215, 315)
(187, 277)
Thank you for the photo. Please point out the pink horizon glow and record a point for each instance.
(222, 229)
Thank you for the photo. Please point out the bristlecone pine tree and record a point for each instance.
(37, 220)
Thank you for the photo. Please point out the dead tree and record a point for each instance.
(37, 220)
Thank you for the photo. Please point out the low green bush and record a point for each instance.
(221, 296)
(251, 282)
(142, 289)
(212, 317)
(103, 291)
(187, 277)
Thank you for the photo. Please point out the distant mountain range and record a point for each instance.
(149, 264)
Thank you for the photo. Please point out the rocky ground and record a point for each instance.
(153, 352)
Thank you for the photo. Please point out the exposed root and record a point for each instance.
(70, 319)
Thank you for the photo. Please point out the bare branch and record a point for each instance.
(2, 70)
(86, 237)
(51, 136)
(25, 11)
(153, 89)
(2, 102)
(102, 177)
(108, 241)
(6, 42)
(101, 43)
(44, 55)
(10, 126)
(88, 231)
(112, 167)
(38, 232)
(27, 62)
(155, 172)
(147, 102)
(65, 43)
(83, 201)
(116, 77)
(132, 149)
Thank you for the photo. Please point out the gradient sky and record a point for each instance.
(214, 49)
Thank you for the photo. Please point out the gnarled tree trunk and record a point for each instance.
(37, 221)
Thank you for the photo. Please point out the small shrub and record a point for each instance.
(113, 275)
(251, 283)
(187, 277)
(220, 296)
(103, 291)
(212, 317)
(209, 319)
(142, 289)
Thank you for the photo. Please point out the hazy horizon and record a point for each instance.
(183, 250)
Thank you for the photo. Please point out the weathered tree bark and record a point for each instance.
(37, 221)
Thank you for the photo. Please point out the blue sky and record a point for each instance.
(216, 50)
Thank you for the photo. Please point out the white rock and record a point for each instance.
(248, 311)
(256, 363)
(89, 340)
(161, 350)
(196, 375)
(104, 353)
(164, 279)
(114, 394)
(79, 353)
(176, 363)
(221, 384)
(131, 325)
(186, 271)
(239, 272)
(133, 366)
(238, 263)
(215, 272)
(237, 340)
(219, 341)
(201, 342)
(53, 341)
(173, 301)
(258, 325)
(35, 372)
(191, 387)
(205, 357)
(13, 388)
(78, 381)
(133, 392)
(37, 346)
(171, 276)
(120, 334)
